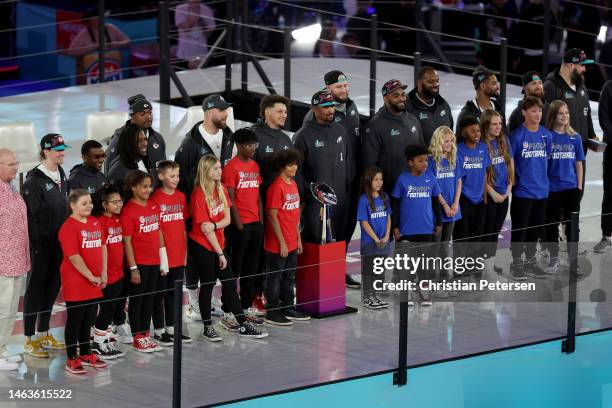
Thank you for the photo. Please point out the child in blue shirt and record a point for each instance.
(565, 173)
(530, 144)
(374, 216)
(417, 216)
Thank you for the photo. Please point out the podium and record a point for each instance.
(320, 280)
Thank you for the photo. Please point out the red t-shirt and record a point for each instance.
(85, 239)
(142, 224)
(113, 239)
(201, 213)
(286, 199)
(244, 179)
(173, 212)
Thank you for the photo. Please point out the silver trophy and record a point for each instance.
(326, 196)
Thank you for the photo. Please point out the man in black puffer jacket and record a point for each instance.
(389, 132)
(88, 175)
(427, 105)
(141, 114)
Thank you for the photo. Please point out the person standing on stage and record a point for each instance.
(322, 144)
(132, 148)
(141, 115)
(45, 192)
(389, 132)
(605, 121)
(88, 175)
(532, 86)
(15, 250)
(427, 105)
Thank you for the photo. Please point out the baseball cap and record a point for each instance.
(576, 56)
(530, 76)
(53, 141)
(215, 102)
(322, 99)
(335, 76)
(391, 85)
(139, 105)
(480, 74)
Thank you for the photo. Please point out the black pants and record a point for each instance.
(313, 226)
(528, 216)
(495, 215)
(469, 230)
(280, 281)
(444, 249)
(206, 264)
(246, 245)
(119, 316)
(42, 287)
(351, 219)
(141, 299)
(163, 300)
(417, 246)
(108, 304)
(80, 317)
(559, 208)
(606, 203)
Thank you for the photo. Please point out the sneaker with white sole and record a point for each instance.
(151, 344)
(251, 316)
(193, 312)
(92, 360)
(216, 307)
(381, 302)
(51, 343)
(553, 266)
(210, 334)
(140, 344)
(13, 358)
(369, 303)
(164, 339)
(275, 318)
(34, 348)
(124, 334)
(115, 347)
(247, 330)
(293, 314)
(74, 366)
(229, 322)
(104, 351)
(603, 245)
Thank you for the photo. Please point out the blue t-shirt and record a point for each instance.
(377, 220)
(500, 167)
(565, 151)
(415, 193)
(447, 178)
(531, 151)
(474, 163)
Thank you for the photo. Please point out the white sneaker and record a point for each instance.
(193, 312)
(124, 334)
(215, 307)
(6, 365)
(13, 358)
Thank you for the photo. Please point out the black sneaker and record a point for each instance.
(517, 271)
(247, 330)
(381, 302)
(498, 269)
(185, 339)
(370, 303)
(352, 283)
(164, 339)
(210, 334)
(277, 319)
(103, 351)
(292, 313)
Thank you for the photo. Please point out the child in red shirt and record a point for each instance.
(210, 212)
(83, 273)
(104, 345)
(282, 241)
(242, 178)
(145, 254)
(174, 212)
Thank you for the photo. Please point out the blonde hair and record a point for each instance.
(436, 149)
(551, 118)
(208, 186)
(502, 144)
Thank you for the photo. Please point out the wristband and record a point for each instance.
(220, 254)
(215, 224)
(133, 268)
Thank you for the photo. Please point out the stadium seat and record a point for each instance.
(100, 126)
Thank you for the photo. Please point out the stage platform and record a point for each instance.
(308, 353)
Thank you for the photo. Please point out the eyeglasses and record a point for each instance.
(116, 202)
(253, 145)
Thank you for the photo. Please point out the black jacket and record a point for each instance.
(516, 117)
(119, 169)
(350, 120)
(430, 117)
(578, 105)
(323, 148)
(156, 150)
(270, 141)
(605, 111)
(470, 108)
(91, 180)
(47, 206)
(192, 149)
(384, 141)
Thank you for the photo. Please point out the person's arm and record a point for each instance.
(118, 37)
(79, 264)
(591, 134)
(368, 229)
(186, 160)
(605, 110)
(235, 215)
(32, 195)
(395, 206)
(387, 230)
(212, 239)
(104, 266)
(371, 147)
(278, 233)
(163, 255)
(455, 206)
(81, 44)
(261, 211)
(128, 250)
(300, 145)
(579, 173)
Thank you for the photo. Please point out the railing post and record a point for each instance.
(101, 41)
(417, 66)
(418, 16)
(287, 73)
(546, 38)
(503, 62)
(373, 58)
(164, 53)
(401, 376)
(178, 344)
(229, 45)
(569, 344)
(243, 48)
